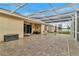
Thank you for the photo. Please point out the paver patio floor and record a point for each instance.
(41, 45)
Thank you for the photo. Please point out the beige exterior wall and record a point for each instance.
(10, 25)
(42, 29)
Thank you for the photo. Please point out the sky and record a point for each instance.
(33, 7)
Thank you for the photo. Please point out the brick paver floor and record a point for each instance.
(41, 45)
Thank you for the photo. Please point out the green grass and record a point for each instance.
(64, 32)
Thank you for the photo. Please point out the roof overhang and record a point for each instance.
(21, 17)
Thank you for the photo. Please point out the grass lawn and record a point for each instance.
(64, 32)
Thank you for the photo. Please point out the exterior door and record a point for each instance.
(27, 28)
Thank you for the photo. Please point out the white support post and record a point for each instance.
(75, 25)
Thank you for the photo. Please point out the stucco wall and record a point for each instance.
(10, 25)
(42, 29)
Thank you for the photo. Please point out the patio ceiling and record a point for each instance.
(47, 12)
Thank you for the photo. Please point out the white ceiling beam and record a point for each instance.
(10, 4)
(58, 20)
(54, 17)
